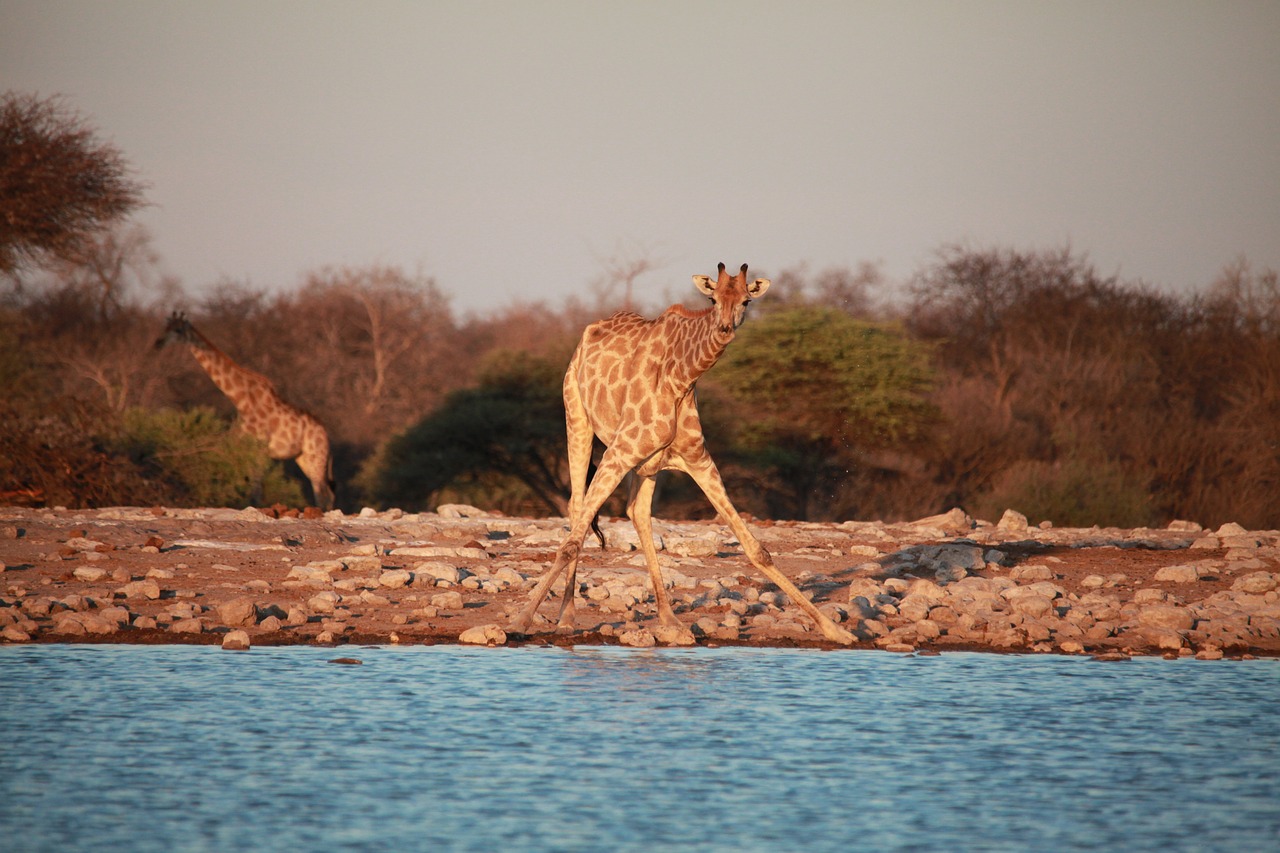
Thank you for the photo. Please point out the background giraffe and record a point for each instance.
(631, 382)
(289, 432)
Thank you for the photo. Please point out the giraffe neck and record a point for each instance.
(696, 344)
(224, 372)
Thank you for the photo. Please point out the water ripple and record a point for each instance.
(193, 748)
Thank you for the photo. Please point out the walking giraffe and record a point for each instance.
(289, 432)
(631, 382)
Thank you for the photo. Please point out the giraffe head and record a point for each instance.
(730, 294)
(177, 329)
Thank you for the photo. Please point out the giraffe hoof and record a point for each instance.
(836, 634)
(674, 635)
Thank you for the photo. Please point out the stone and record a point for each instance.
(236, 641)
(927, 629)
(435, 571)
(1012, 521)
(447, 601)
(309, 573)
(187, 626)
(459, 511)
(1032, 604)
(1031, 573)
(361, 564)
(14, 634)
(89, 574)
(950, 557)
(147, 588)
(483, 635)
(395, 579)
(1177, 574)
(1166, 616)
(1255, 583)
(1157, 636)
(915, 607)
(463, 553)
(118, 615)
(323, 602)
(954, 520)
(865, 588)
(693, 547)
(239, 611)
(926, 589)
(640, 638)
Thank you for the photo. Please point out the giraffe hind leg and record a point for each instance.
(612, 469)
(704, 472)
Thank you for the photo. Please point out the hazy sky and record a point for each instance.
(510, 150)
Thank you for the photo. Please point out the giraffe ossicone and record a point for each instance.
(631, 382)
(289, 432)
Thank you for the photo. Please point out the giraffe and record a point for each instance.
(631, 382)
(289, 432)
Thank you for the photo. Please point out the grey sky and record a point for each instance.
(510, 149)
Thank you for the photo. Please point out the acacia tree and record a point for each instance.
(510, 427)
(819, 392)
(59, 184)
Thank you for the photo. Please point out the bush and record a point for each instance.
(1075, 493)
(203, 461)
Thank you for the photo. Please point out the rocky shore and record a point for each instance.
(270, 577)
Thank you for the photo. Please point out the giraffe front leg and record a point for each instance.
(566, 556)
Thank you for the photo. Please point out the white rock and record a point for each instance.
(395, 578)
(323, 602)
(239, 611)
(1177, 574)
(1031, 573)
(459, 511)
(438, 571)
(483, 635)
(1013, 521)
(640, 638)
(142, 589)
(236, 641)
(1256, 583)
(447, 601)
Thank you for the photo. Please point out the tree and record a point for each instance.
(511, 425)
(823, 391)
(59, 184)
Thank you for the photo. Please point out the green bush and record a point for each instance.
(205, 461)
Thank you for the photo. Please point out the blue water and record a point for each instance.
(449, 748)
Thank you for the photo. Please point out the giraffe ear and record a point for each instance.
(704, 285)
(757, 288)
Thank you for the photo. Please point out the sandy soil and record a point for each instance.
(159, 575)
